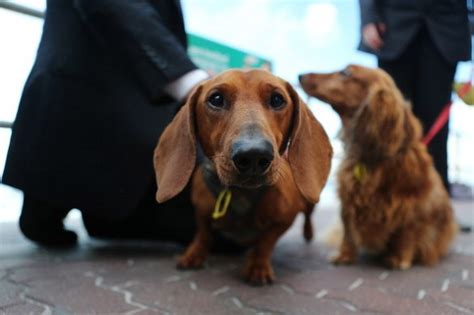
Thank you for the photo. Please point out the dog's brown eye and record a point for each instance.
(216, 100)
(277, 101)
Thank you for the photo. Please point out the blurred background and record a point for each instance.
(296, 36)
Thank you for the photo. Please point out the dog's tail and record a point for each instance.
(308, 226)
(331, 237)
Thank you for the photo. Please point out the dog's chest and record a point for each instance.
(371, 234)
(237, 222)
(365, 208)
(369, 225)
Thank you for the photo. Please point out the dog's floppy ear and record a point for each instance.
(175, 155)
(380, 125)
(310, 151)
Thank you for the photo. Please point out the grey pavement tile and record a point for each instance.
(141, 278)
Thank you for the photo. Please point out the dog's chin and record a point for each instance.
(235, 179)
(252, 182)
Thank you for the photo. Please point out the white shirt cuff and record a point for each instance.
(180, 88)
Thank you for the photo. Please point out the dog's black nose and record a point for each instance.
(300, 77)
(252, 156)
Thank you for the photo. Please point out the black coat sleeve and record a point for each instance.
(369, 12)
(135, 32)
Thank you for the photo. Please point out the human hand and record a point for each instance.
(210, 75)
(372, 35)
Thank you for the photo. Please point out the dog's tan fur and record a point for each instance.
(393, 200)
(291, 184)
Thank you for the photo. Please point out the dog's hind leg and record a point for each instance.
(435, 242)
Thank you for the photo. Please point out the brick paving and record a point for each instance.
(140, 278)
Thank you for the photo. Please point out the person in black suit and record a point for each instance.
(419, 42)
(108, 77)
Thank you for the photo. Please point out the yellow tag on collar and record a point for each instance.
(222, 204)
(360, 172)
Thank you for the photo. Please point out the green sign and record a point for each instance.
(215, 57)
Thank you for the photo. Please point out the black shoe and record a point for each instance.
(42, 223)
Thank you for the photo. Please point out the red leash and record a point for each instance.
(443, 117)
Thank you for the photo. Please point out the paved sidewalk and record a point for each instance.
(131, 278)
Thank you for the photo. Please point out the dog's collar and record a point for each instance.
(228, 199)
(360, 172)
(222, 204)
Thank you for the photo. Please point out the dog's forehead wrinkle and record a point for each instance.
(248, 116)
(246, 81)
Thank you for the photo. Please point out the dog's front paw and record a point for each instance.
(259, 272)
(396, 262)
(192, 259)
(190, 262)
(343, 259)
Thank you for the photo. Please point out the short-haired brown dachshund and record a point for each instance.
(393, 200)
(266, 159)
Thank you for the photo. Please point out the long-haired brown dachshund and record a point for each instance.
(393, 200)
(266, 159)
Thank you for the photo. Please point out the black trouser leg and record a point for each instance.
(173, 220)
(42, 223)
(432, 94)
(403, 70)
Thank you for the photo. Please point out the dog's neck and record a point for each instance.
(368, 156)
(364, 156)
(215, 185)
(236, 221)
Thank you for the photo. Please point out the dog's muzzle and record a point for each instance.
(252, 156)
